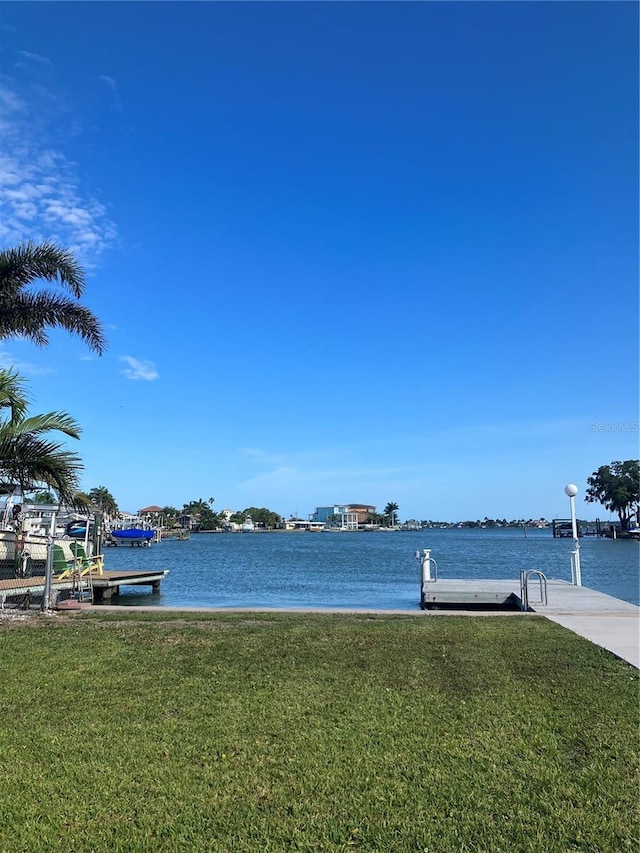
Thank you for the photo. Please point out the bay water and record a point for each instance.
(360, 570)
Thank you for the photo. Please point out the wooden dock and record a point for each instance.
(104, 585)
(608, 622)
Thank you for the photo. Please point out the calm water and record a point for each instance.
(377, 570)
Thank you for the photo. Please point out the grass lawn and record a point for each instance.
(281, 732)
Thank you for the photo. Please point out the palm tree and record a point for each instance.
(170, 516)
(29, 456)
(44, 497)
(30, 314)
(390, 512)
(196, 507)
(102, 499)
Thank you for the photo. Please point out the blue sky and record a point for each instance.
(361, 252)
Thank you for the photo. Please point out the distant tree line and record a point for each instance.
(261, 517)
(206, 519)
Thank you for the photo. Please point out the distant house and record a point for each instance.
(227, 524)
(363, 511)
(188, 522)
(127, 519)
(152, 515)
(346, 516)
(298, 524)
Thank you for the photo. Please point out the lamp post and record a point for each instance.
(576, 577)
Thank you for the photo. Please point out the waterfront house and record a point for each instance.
(151, 510)
(345, 516)
(300, 524)
(187, 521)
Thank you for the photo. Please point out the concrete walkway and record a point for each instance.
(602, 619)
(618, 633)
(606, 621)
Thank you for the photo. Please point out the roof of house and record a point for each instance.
(151, 509)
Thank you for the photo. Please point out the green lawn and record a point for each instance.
(314, 733)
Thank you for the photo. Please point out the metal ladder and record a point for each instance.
(525, 574)
(81, 585)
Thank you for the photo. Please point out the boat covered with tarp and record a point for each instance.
(132, 536)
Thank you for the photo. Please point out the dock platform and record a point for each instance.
(606, 621)
(104, 585)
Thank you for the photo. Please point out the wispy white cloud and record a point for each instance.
(8, 362)
(35, 57)
(292, 474)
(10, 102)
(335, 482)
(262, 457)
(112, 86)
(301, 487)
(139, 369)
(320, 473)
(41, 192)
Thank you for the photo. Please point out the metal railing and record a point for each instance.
(426, 562)
(525, 575)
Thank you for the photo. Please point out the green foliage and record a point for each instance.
(391, 514)
(617, 488)
(260, 516)
(237, 518)
(170, 516)
(25, 313)
(44, 497)
(263, 517)
(206, 518)
(310, 732)
(29, 455)
(102, 500)
(81, 502)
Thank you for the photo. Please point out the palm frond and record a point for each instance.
(30, 314)
(37, 424)
(80, 502)
(29, 455)
(13, 395)
(32, 461)
(24, 264)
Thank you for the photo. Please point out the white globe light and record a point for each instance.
(571, 490)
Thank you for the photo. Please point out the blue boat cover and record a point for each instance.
(132, 533)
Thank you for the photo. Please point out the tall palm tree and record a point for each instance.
(390, 512)
(29, 456)
(30, 314)
(102, 499)
(196, 507)
(170, 515)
